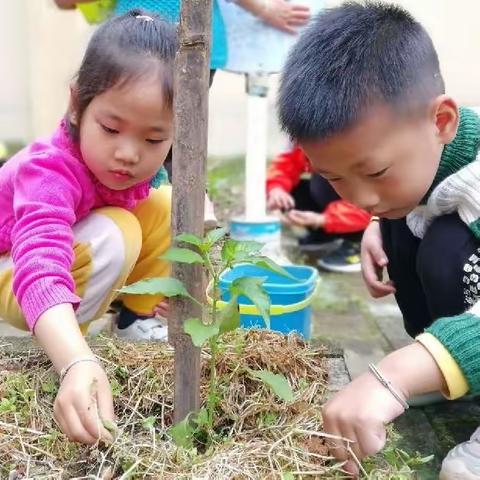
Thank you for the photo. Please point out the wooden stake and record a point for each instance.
(191, 83)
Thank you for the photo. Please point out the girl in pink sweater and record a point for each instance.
(78, 219)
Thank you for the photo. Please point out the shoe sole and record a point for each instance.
(455, 470)
(339, 269)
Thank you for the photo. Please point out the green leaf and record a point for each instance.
(277, 382)
(149, 422)
(251, 287)
(287, 476)
(228, 251)
(170, 287)
(213, 236)
(49, 386)
(182, 255)
(235, 251)
(201, 418)
(110, 426)
(182, 433)
(269, 264)
(229, 317)
(189, 238)
(198, 331)
(7, 406)
(116, 387)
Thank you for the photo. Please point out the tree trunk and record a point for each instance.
(191, 83)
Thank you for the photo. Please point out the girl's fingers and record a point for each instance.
(105, 410)
(73, 427)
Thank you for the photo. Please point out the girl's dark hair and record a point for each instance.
(124, 48)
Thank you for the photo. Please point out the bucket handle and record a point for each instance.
(274, 309)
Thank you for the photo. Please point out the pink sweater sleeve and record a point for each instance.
(46, 194)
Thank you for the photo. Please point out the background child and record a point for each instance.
(370, 112)
(78, 219)
(309, 201)
(279, 14)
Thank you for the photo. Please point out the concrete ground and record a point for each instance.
(365, 328)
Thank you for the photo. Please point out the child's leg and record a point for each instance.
(154, 216)
(107, 245)
(437, 276)
(401, 248)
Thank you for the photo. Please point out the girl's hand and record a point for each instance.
(84, 401)
(285, 16)
(374, 260)
(278, 198)
(162, 309)
(302, 218)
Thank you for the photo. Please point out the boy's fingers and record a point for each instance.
(351, 468)
(378, 289)
(369, 269)
(379, 256)
(335, 446)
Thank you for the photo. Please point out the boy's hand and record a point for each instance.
(285, 16)
(84, 401)
(278, 198)
(359, 413)
(362, 409)
(374, 260)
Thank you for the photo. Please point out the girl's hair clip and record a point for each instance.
(145, 17)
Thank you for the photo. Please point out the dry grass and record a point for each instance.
(257, 434)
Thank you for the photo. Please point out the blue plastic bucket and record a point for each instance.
(291, 299)
(266, 231)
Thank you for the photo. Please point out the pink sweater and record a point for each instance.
(44, 190)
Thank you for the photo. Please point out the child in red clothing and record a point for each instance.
(309, 201)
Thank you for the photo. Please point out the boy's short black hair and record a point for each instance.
(351, 58)
(124, 48)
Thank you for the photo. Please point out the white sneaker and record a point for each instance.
(463, 461)
(144, 329)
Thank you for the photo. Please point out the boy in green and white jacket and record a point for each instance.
(363, 96)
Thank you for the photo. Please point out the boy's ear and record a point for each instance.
(446, 116)
(73, 105)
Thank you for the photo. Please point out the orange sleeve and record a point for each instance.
(343, 217)
(286, 169)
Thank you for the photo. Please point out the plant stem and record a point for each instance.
(212, 394)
